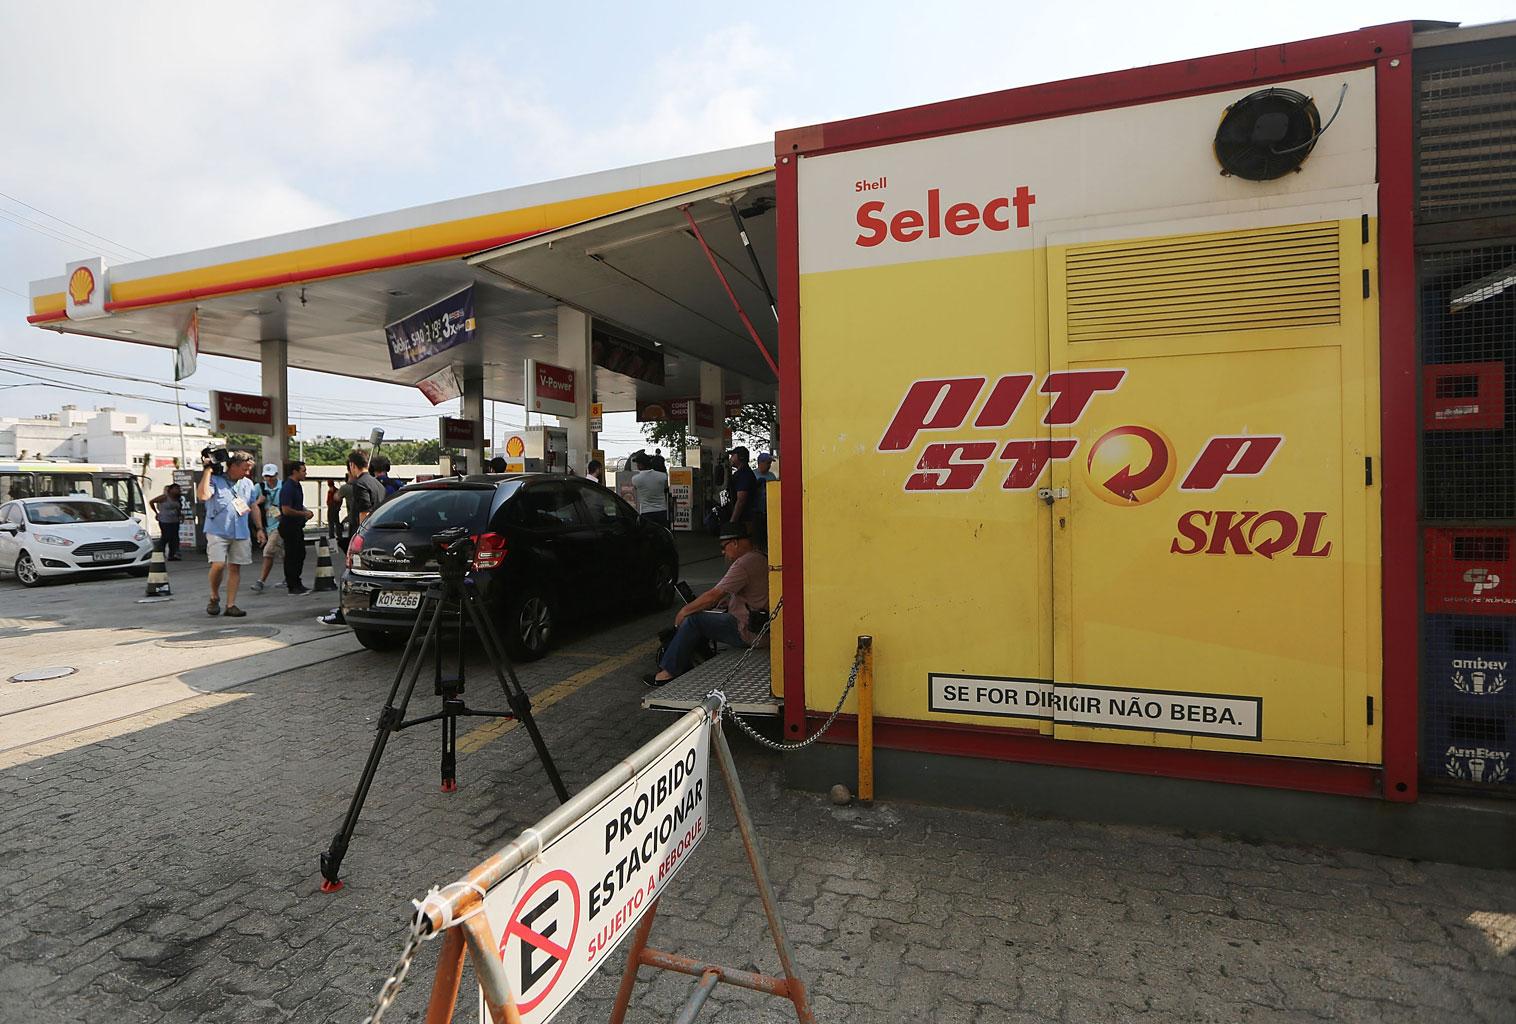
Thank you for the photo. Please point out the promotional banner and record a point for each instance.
(434, 329)
(625, 358)
(678, 411)
(550, 389)
(682, 490)
(188, 353)
(441, 386)
(186, 479)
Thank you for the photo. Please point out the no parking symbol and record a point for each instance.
(540, 937)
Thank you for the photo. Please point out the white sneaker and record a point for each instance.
(257, 586)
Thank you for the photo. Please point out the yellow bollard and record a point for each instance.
(866, 722)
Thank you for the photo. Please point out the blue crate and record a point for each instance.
(1469, 664)
(1470, 747)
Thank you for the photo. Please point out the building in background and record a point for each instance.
(106, 436)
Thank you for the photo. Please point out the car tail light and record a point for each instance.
(353, 547)
(489, 551)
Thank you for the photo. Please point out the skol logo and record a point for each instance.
(81, 285)
(1482, 579)
(1251, 533)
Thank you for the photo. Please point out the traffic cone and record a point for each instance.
(325, 578)
(157, 572)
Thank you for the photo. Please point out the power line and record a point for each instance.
(58, 235)
(87, 231)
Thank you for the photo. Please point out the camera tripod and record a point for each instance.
(455, 591)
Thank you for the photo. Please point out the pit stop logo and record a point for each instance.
(1128, 466)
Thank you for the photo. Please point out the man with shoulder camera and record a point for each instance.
(732, 612)
(233, 522)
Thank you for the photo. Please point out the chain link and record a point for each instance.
(391, 987)
(759, 738)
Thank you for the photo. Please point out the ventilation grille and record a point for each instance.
(1203, 284)
(1467, 140)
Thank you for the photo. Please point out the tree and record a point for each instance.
(753, 426)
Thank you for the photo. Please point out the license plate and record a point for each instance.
(398, 599)
(109, 556)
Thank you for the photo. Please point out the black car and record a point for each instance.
(547, 548)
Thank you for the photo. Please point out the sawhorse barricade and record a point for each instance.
(541, 916)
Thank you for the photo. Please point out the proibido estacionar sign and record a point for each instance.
(563, 915)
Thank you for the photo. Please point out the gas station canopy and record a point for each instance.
(617, 245)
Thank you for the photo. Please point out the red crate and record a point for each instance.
(1471, 571)
(1463, 396)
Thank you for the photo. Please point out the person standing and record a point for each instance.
(595, 471)
(363, 495)
(741, 489)
(334, 514)
(380, 467)
(233, 524)
(293, 515)
(651, 487)
(764, 476)
(268, 502)
(169, 510)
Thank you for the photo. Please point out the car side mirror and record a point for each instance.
(10, 527)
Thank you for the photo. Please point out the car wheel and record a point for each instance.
(660, 592)
(530, 621)
(27, 572)
(377, 639)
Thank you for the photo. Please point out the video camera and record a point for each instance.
(215, 458)
(455, 552)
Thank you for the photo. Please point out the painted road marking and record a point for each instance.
(477, 738)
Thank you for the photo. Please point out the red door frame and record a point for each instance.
(1386, 48)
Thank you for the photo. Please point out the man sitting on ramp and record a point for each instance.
(726, 612)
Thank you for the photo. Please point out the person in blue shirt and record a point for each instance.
(293, 515)
(233, 523)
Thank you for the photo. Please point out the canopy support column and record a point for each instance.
(574, 354)
(473, 410)
(274, 363)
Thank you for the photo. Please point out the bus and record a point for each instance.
(115, 484)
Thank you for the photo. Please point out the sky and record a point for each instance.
(156, 128)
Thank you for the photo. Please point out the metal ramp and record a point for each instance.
(749, 692)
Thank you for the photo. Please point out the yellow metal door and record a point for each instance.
(1215, 561)
(911, 534)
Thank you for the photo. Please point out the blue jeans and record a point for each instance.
(717, 626)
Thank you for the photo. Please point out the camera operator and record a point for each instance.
(230, 503)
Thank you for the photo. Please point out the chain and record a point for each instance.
(753, 734)
(391, 987)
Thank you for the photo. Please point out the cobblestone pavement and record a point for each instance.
(170, 874)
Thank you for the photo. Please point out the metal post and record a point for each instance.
(796, 987)
(698, 997)
(439, 1009)
(633, 961)
(866, 722)
(497, 991)
(751, 330)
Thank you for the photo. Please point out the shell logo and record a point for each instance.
(1130, 465)
(514, 447)
(81, 285)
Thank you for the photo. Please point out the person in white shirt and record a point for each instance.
(651, 487)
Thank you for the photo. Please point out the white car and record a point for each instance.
(44, 537)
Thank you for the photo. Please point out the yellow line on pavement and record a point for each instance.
(476, 739)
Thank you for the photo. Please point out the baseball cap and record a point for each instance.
(269, 469)
(765, 457)
(733, 531)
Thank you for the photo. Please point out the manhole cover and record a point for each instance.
(219, 635)
(42, 675)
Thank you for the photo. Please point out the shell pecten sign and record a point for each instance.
(88, 289)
